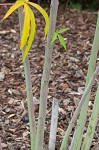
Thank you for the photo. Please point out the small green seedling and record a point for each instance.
(57, 34)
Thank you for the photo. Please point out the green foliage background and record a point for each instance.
(84, 4)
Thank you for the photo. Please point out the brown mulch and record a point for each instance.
(67, 80)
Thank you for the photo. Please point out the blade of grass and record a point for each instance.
(54, 120)
(45, 76)
(76, 113)
(76, 144)
(92, 124)
(28, 88)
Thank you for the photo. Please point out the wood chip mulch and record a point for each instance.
(67, 80)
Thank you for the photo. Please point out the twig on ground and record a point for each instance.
(54, 120)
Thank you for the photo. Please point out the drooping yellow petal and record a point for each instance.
(26, 26)
(13, 8)
(43, 12)
(32, 33)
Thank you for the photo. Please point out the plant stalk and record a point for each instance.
(92, 124)
(45, 76)
(76, 113)
(76, 144)
(28, 88)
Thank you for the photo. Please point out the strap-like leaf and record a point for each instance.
(62, 41)
(54, 37)
(62, 30)
(43, 12)
(32, 33)
(13, 8)
(26, 26)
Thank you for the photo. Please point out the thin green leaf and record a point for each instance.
(62, 41)
(13, 8)
(26, 27)
(45, 15)
(32, 33)
(62, 30)
(54, 37)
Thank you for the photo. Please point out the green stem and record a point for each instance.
(92, 124)
(45, 76)
(28, 89)
(76, 113)
(76, 143)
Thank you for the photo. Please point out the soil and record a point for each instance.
(67, 80)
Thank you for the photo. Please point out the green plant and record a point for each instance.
(29, 26)
(28, 87)
(76, 113)
(27, 32)
(82, 118)
(57, 34)
(45, 76)
(77, 6)
(77, 138)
